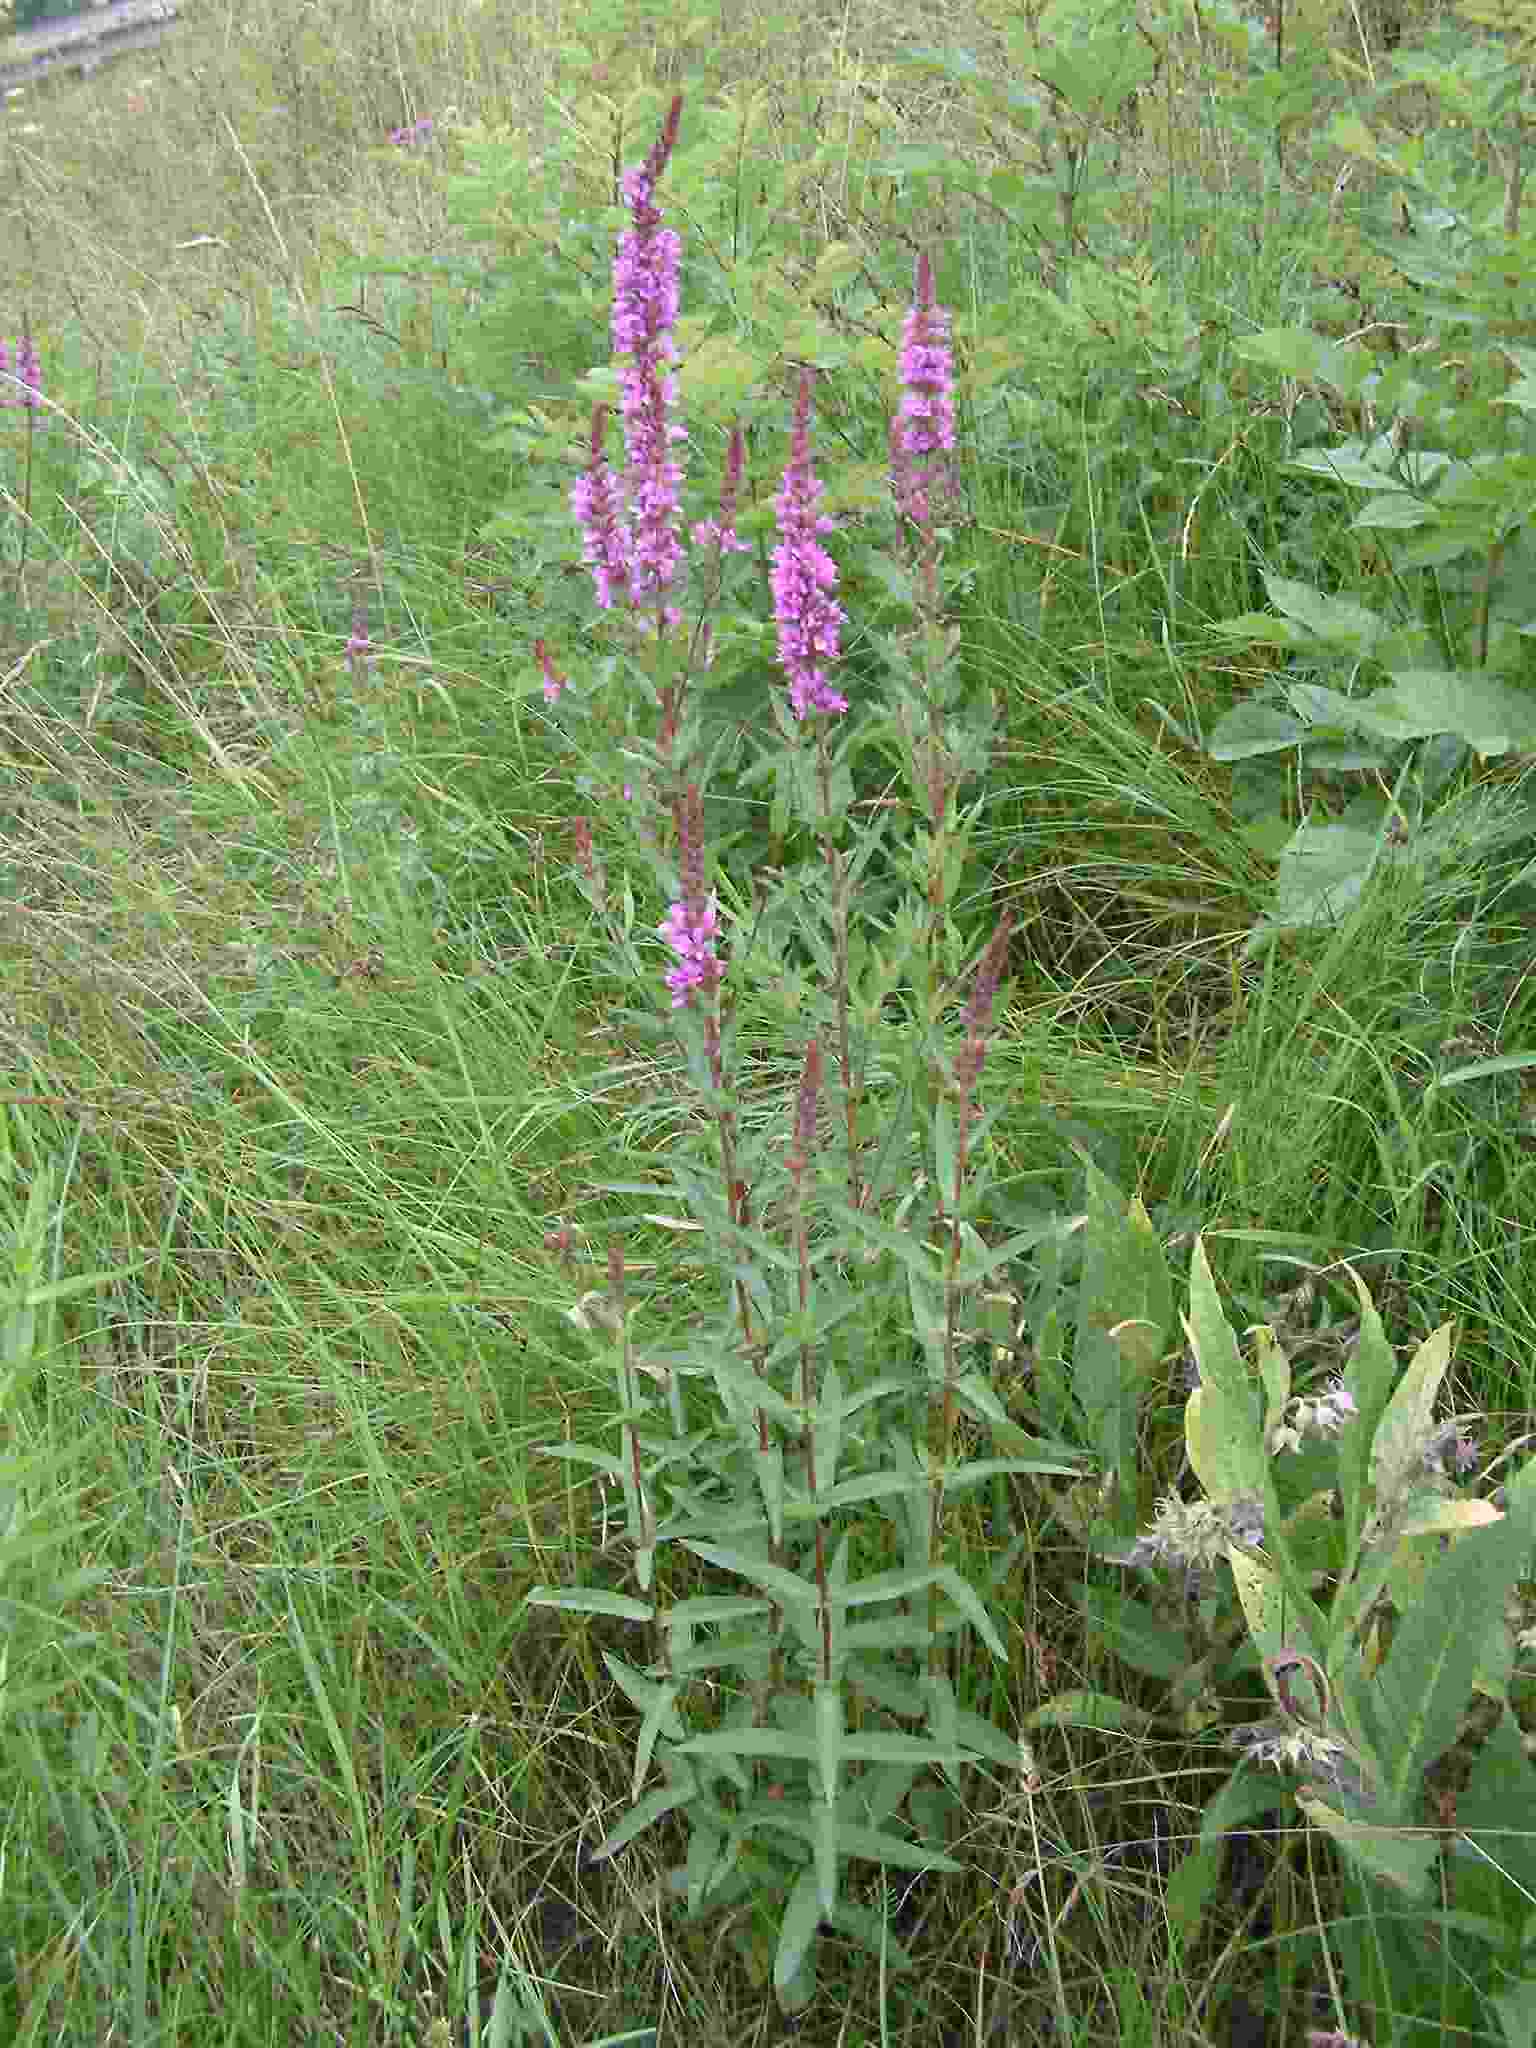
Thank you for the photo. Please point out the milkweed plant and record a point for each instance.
(809, 1632)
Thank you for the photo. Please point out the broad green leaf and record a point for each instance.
(1398, 1446)
(1217, 1435)
(1497, 1807)
(1125, 1281)
(1275, 1372)
(1124, 1625)
(1308, 357)
(1336, 621)
(1401, 1857)
(1491, 716)
(1210, 1334)
(1251, 729)
(589, 1601)
(1424, 1685)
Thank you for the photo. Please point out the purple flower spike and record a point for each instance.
(645, 304)
(720, 533)
(805, 576)
(595, 500)
(924, 432)
(692, 924)
(26, 367)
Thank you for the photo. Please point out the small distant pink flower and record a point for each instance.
(26, 367)
(359, 648)
(805, 576)
(554, 682)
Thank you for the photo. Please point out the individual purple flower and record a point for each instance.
(554, 682)
(1448, 1447)
(646, 272)
(923, 434)
(359, 647)
(805, 576)
(692, 924)
(596, 502)
(410, 136)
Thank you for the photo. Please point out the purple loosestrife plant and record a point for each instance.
(803, 1431)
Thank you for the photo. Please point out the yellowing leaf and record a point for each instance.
(1449, 1516)
(1409, 1419)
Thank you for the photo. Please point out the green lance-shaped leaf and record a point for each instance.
(1424, 1684)
(1371, 1373)
(588, 1600)
(658, 1705)
(1125, 1309)
(797, 1930)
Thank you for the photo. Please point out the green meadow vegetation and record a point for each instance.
(701, 1349)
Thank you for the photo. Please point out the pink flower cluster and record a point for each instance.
(805, 576)
(631, 538)
(692, 925)
(21, 362)
(413, 136)
(923, 432)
